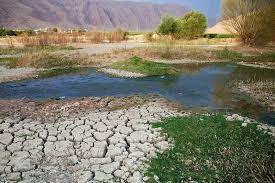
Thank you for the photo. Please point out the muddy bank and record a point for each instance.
(7, 75)
(50, 110)
(263, 92)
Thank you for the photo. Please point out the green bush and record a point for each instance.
(227, 54)
(168, 26)
(6, 32)
(192, 25)
(149, 36)
(212, 36)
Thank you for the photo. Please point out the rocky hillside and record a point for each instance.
(99, 14)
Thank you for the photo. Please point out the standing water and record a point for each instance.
(197, 87)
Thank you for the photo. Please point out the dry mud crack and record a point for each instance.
(96, 146)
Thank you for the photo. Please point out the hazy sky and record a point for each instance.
(210, 7)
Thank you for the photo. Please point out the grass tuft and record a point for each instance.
(139, 65)
(226, 54)
(211, 149)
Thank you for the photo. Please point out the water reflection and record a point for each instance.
(198, 86)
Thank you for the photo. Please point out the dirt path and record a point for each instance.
(102, 48)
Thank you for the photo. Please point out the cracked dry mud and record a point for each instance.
(97, 146)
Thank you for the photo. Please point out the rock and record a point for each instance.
(140, 127)
(124, 130)
(21, 161)
(137, 136)
(101, 136)
(4, 157)
(73, 160)
(14, 176)
(163, 145)
(109, 168)
(52, 139)
(100, 161)
(188, 162)
(32, 144)
(85, 177)
(117, 138)
(15, 147)
(101, 127)
(113, 151)
(6, 138)
(119, 173)
(95, 152)
(137, 177)
(137, 154)
(100, 176)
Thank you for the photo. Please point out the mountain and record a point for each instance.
(96, 14)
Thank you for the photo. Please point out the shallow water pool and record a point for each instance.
(197, 87)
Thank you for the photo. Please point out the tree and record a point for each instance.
(168, 26)
(253, 20)
(192, 25)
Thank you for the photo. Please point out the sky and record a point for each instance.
(211, 8)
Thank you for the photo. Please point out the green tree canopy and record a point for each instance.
(192, 25)
(168, 26)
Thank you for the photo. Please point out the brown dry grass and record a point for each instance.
(49, 39)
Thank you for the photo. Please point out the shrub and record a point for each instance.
(168, 26)
(212, 36)
(94, 37)
(5, 32)
(253, 20)
(192, 25)
(149, 36)
(228, 54)
(117, 35)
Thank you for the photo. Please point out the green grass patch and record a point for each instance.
(8, 59)
(60, 71)
(211, 149)
(264, 57)
(11, 51)
(9, 62)
(139, 65)
(227, 54)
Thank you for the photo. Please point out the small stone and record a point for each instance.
(113, 151)
(163, 145)
(14, 176)
(137, 177)
(95, 153)
(119, 173)
(6, 138)
(101, 136)
(52, 139)
(110, 168)
(85, 177)
(73, 160)
(21, 161)
(101, 176)
(98, 161)
(188, 162)
(101, 127)
(137, 136)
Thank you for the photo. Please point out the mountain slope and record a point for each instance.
(100, 14)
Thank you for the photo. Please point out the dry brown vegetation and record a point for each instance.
(54, 38)
(253, 20)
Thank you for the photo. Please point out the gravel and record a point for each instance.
(16, 74)
(122, 73)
